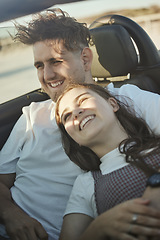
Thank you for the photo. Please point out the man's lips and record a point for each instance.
(85, 121)
(55, 84)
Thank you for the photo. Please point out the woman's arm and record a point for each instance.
(74, 225)
(116, 223)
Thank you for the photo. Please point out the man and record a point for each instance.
(36, 176)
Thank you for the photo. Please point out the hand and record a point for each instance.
(117, 223)
(153, 194)
(19, 226)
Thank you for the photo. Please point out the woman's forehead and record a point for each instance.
(75, 92)
(71, 96)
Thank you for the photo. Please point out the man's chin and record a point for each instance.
(55, 96)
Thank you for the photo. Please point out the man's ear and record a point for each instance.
(114, 104)
(87, 57)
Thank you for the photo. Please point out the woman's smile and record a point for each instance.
(85, 121)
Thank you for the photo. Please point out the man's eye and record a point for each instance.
(38, 66)
(56, 62)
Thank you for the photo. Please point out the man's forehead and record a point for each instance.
(45, 50)
(55, 44)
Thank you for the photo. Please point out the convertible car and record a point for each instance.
(123, 54)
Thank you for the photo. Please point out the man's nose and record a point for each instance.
(77, 112)
(49, 73)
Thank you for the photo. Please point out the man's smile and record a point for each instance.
(55, 84)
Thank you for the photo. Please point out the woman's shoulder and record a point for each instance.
(84, 176)
(82, 196)
(84, 181)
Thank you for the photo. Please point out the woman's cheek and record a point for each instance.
(69, 128)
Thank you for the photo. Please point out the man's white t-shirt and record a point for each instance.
(44, 174)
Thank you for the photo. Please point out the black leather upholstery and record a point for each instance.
(11, 111)
(122, 47)
(111, 51)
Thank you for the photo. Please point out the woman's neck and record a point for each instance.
(109, 142)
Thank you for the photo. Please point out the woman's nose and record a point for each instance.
(77, 112)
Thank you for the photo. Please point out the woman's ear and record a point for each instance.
(87, 57)
(114, 104)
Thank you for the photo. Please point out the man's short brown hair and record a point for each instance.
(54, 25)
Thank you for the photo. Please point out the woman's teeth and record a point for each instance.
(85, 120)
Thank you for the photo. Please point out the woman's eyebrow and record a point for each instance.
(81, 95)
(75, 100)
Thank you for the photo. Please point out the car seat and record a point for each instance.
(12, 110)
(123, 53)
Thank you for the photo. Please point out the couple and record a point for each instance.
(36, 176)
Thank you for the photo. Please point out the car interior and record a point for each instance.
(123, 54)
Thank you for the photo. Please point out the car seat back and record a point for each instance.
(122, 48)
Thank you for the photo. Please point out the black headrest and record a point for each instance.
(114, 53)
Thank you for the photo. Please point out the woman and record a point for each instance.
(102, 135)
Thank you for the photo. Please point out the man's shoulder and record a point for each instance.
(47, 104)
(40, 110)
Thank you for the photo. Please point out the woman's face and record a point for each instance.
(86, 116)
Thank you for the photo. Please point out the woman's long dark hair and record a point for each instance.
(140, 135)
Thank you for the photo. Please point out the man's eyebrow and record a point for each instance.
(49, 60)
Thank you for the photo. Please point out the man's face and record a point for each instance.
(57, 67)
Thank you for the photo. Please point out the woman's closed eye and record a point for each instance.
(82, 100)
(66, 116)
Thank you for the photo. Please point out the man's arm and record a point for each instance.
(145, 103)
(154, 195)
(17, 223)
(6, 182)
